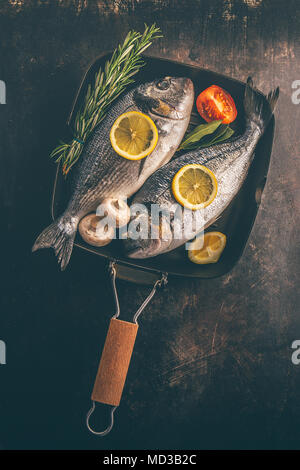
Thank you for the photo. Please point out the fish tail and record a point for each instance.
(259, 108)
(60, 236)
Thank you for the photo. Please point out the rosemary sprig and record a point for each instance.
(109, 83)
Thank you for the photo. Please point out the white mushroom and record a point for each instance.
(117, 209)
(94, 232)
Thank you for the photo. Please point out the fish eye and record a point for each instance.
(163, 84)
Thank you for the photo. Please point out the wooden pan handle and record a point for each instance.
(114, 362)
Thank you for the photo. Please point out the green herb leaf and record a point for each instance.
(216, 136)
(199, 132)
(206, 135)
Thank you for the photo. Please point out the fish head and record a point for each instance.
(166, 98)
(153, 240)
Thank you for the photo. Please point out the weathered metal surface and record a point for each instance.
(212, 363)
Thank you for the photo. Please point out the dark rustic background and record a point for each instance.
(212, 364)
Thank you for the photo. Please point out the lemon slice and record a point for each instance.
(207, 249)
(133, 135)
(194, 186)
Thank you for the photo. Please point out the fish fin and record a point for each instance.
(60, 237)
(259, 108)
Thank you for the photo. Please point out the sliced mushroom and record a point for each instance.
(117, 209)
(94, 232)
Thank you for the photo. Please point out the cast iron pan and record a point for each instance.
(236, 222)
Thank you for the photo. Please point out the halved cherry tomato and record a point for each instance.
(214, 103)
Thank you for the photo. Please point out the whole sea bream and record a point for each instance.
(229, 162)
(104, 174)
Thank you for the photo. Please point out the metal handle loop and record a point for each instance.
(108, 429)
